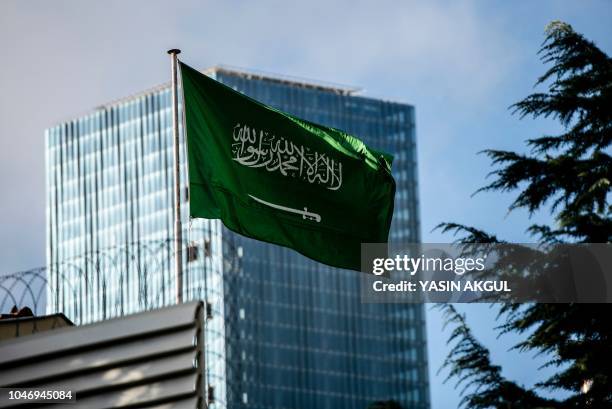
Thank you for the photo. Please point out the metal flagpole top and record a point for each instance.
(174, 51)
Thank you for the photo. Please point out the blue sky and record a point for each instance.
(461, 63)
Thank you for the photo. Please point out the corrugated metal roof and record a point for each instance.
(148, 360)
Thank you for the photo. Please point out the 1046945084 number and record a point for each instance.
(30, 395)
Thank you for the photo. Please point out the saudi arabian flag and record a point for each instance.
(274, 177)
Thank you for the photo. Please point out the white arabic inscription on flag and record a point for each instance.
(262, 149)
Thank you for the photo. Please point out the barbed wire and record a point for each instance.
(24, 289)
(115, 281)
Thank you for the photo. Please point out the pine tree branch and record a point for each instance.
(472, 234)
(482, 384)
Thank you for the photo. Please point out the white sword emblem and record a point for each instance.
(306, 215)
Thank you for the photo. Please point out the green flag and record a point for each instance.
(277, 178)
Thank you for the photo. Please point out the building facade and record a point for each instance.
(283, 331)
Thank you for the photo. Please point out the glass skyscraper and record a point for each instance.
(284, 331)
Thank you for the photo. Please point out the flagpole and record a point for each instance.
(178, 232)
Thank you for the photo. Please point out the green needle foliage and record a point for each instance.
(569, 174)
